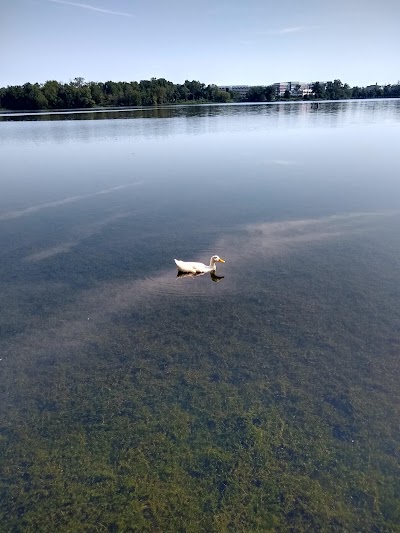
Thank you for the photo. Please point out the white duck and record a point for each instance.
(198, 268)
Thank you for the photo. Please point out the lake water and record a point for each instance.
(266, 399)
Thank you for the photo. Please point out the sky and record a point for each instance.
(249, 42)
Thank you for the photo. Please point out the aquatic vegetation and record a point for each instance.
(282, 420)
(138, 401)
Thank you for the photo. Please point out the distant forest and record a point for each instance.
(82, 94)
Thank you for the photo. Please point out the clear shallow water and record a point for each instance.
(136, 399)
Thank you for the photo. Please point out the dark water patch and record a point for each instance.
(344, 433)
(341, 404)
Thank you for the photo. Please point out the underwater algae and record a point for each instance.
(277, 414)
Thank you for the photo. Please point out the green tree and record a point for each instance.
(357, 92)
(33, 98)
(83, 97)
(318, 89)
(335, 90)
(347, 92)
(260, 93)
(196, 89)
(214, 94)
(256, 94)
(113, 93)
(97, 92)
(181, 93)
(50, 91)
(222, 97)
(395, 92)
(78, 82)
(270, 93)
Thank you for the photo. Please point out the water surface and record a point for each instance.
(133, 400)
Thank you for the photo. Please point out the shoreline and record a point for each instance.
(41, 112)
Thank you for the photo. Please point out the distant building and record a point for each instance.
(375, 87)
(240, 90)
(295, 88)
(306, 89)
(283, 86)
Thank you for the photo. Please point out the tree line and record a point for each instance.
(330, 90)
(336, 90)
(81, 94)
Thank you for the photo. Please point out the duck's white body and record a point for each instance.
(198, 268)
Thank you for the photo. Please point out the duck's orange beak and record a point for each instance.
(221, 260)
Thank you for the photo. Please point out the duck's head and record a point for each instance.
(216, 259)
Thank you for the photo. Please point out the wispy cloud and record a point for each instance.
(286, 30)
(292, 29)
(247, 42)
(283, 162)
(92, 8)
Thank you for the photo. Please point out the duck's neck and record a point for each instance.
(212, 264)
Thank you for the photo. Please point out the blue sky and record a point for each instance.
(254, 42)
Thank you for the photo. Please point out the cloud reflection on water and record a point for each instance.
(82, 234)
(74, 325)
(276, 238)
(69, 200)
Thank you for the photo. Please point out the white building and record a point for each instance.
(240, 90)
(295, 88)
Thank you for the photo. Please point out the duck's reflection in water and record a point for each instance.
(213, 276)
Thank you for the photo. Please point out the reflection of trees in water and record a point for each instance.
(257, 116)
